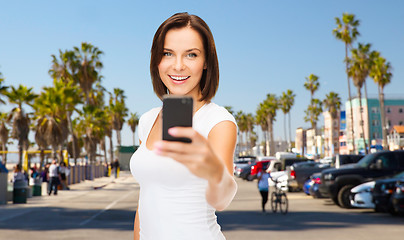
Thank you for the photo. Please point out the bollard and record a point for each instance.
(3, 188)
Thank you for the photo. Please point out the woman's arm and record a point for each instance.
(211, 159)
(136, 228)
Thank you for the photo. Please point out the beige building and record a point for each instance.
(331, 135)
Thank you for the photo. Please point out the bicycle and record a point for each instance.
(278, 197)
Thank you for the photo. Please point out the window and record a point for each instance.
(388, 110)
(388, 161)
(400, 123)
(389, 123)
(375, 110)
(375, 123)
(400, 110)
(361, 135)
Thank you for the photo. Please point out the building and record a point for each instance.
(395, 139)
(300, 141)
(331, 134)
(371, 121)
(343, 147)
(314, 143)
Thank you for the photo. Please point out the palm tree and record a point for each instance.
(261, 120)
(87, 59)
(249, 118)
(381, 74)
(240, 117)
(332, 103)
(119, 112)
(312, 112)
(286, 102)
(269, 107)
(3, 89)
(358, 69)
(133, 121)
(312, 85)
(20, 120)
(347, 32)
(4, 135)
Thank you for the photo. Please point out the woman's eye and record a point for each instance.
(167, 54)
(191, 55)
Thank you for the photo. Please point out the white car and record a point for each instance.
(361, 195)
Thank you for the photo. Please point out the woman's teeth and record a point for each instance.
(179, 78)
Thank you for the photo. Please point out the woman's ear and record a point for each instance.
(205, 66)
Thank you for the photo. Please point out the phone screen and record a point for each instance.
(177, 112)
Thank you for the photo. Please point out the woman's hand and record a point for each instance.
(198, 156)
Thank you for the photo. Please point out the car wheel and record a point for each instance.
(335, 200)
(250, 178)
(343, 196)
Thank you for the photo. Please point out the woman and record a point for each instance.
(182, 184)
(263, 186)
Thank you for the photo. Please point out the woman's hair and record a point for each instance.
(210, 76)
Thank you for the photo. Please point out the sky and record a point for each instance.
(263, 46)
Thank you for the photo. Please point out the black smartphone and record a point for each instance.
(177, 112)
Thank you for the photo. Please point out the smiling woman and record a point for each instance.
(183, 184)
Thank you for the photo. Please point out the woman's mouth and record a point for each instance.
(179, 78)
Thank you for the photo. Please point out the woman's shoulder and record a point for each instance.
(150, 114)
(218, 112)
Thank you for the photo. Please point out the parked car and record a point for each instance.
(300, 172)
(398, 198)
(314, 189)
(242, 161)
(383, 191)
(342, 159)
(245, 172)
(361, 195)
(337, 183)
(261, 163)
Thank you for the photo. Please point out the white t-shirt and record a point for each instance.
(53, 170)
(172, 201)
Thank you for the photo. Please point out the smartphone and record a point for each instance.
(177, 112)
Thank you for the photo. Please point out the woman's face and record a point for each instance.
(183, 62)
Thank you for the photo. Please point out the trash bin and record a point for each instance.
(36, 184)
(20, 192)
(3, 187)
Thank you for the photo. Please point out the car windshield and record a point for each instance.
(365, 161)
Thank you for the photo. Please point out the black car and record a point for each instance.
(397, 198)
(245, 172)
(300, 172)
(337, 183)
(383, 191)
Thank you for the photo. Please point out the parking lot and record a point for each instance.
(92, 213)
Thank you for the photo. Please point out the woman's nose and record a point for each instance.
(179, 64)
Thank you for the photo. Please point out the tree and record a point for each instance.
(347, 32)
(261, 120)
(20, 120)
(87, 60)
(332, 103)
(269, 107)
(312, 112)
(4, 135)
(133, 121)
(3, 89)
(312, 85)
(242, 128)
(381, 74)
(118, 111)
(359, 66)
(286, 102)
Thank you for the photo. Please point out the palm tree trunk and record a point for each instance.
(361, 120)
(350, 99)
(290, 134)
(271, 137)
(4, 153)
(111, 149)
(383, 116)
(105, 149)
(284, 126)
(367, 116)
(133, 134)
(70, 125)
(20, 153)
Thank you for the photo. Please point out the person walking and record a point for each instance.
(183, 184)
(54, 178)
(116, 168)
(263, 186)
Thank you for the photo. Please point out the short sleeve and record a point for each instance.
(146, 122)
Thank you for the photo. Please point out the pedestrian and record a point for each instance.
(54, 178)
(18, 174)
(183, 184)
(64, 172)
(116, 167)
(263, 186)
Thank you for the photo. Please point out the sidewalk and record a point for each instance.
(11, 210)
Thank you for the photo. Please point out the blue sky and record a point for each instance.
(263, 46)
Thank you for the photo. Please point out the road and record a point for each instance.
(104, 209)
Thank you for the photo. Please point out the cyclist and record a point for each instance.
(263, 186)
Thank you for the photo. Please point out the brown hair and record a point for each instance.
(210, 76)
